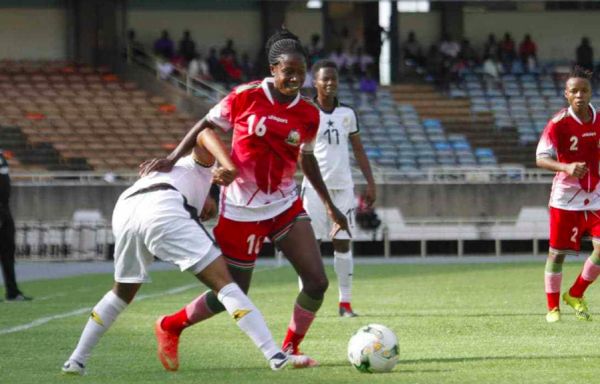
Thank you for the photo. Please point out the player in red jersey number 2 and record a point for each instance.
(570, 146)
(272, 125)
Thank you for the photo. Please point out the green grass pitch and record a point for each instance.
(457, 323)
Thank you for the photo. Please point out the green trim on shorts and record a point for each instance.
(286, 229)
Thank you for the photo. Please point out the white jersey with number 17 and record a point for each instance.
(331, 146)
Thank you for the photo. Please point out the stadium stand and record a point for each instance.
(406, 128)
(57, 116)
(519, 106)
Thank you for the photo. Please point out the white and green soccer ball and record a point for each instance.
(373, 349)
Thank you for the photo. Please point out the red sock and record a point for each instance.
(579, 287)
(176, 322)
(346, 306)
(553, 299)
(299, 324)
(293, 338)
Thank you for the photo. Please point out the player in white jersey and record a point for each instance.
(338, 127)
(158, 216)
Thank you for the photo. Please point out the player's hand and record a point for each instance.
(576, 169)
(160, 165)
(223, 176)
(370, 195)
(340, 222)
(209, 210)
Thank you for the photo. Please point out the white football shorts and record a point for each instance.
(343, 199)
(157, 224)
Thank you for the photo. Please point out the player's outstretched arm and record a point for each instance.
(370, 194)
(210, 145)
(184, 147)
(577, 169)
(311, 170)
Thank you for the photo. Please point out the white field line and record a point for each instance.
(47, 319)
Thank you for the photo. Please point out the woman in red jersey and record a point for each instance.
(272, 125)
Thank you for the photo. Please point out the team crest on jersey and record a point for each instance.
(293, 138)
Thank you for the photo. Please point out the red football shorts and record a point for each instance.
(567, 228)
(241, 241)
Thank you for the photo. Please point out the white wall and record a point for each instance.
(556, 34)
(427, 27)
(304, 23)
(208, 28)
(33, 33)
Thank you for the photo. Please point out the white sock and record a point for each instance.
(248, 318)
(344, 266)
(101, 318)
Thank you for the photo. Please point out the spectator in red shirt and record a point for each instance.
(507, 51)
(528, 53)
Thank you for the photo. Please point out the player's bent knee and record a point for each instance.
(316, 287)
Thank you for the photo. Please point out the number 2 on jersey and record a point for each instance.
(574, 142)
(257, 127)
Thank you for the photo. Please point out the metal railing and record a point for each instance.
(67, 240)
(63, 240)
(179, 77)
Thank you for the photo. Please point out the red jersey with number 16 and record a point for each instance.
(568, 140)
(267, 137)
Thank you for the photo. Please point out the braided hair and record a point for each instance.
(283, 42)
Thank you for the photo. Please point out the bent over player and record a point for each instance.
(158, 216)
(570, 146)
(338, 126)
(271, 125)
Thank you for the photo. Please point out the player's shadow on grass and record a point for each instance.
(496, 358)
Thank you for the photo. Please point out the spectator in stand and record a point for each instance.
(233, 74)
(347, 42)
(315, 50)
(187, 47)
(362, 62)
(448, 47)
(134, 48)
(507, 52)
(491, 47)
(585, 54)
(247, 67)
(528, 54)
(492, 69)
(467, 54)
(412, 51)
(228, 49)
(164, 67)
(368, 87)
(198, 68)
(214, 66)
(341, 59)
(435, 63)
(164, 46)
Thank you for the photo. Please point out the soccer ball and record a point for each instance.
(373, 349)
